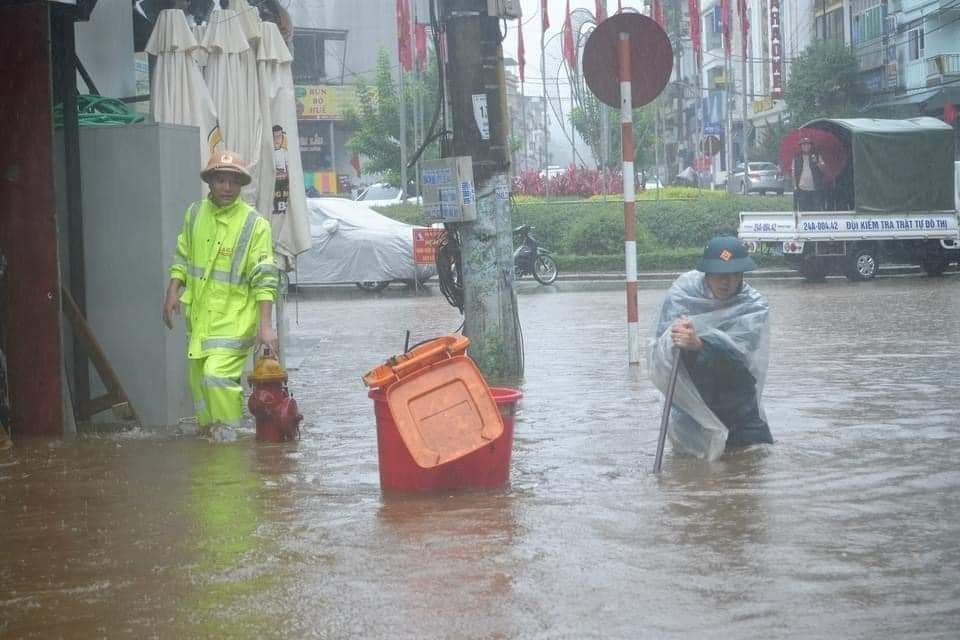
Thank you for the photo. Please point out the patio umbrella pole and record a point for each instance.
(665, 419)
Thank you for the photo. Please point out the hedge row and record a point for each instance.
(588, 235)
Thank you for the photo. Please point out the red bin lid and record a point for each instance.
(444, 411)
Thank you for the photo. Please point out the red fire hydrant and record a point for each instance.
(270, 402)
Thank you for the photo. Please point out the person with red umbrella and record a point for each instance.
(808, 169)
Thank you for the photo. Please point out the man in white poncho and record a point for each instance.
(719, 323)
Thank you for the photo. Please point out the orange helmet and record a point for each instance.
(226, 161)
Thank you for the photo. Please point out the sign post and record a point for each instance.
(627, 62)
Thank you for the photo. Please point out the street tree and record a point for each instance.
(588, 122)
(824, 82)
(375, 120)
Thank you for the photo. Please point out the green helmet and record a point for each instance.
(725, 254)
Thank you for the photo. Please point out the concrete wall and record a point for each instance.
(105, 48)
(137, 182)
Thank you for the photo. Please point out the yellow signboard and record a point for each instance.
(324, 102)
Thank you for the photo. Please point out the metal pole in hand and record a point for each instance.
(665, 419)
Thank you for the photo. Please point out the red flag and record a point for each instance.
(949, 113)
(521, 52)
(656, 11)
(601, 12)
(744, 24)
(544, 18)
(355, 163)
(421, 34)
(694, 8)
(403, 35)
(725, 23)
(569, 52)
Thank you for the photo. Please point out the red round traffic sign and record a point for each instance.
(710, 145)
(651, 59)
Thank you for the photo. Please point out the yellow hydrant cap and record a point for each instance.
(267, 369)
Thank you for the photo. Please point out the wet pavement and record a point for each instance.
(846, 527)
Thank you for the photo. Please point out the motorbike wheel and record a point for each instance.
(545, 269)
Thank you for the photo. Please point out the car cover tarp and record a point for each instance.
(353, 243)
(897, 165)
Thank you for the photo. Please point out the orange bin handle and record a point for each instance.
(417, 358)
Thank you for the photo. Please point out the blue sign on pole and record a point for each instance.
(713, 112)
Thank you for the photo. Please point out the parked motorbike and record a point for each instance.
(530, 258)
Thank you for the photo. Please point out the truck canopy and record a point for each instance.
(895, 165)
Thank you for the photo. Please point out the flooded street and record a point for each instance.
(846, 527)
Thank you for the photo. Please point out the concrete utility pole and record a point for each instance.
(477, 99)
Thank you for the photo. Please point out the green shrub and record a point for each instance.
(671, 232)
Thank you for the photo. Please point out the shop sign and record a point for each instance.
(776, 50)
(324, 102)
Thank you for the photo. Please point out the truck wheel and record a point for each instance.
(934, 267)
(863, 265)
(813, 270)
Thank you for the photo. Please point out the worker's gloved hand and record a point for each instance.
(268, 338)
(684, 335)
(171, 306)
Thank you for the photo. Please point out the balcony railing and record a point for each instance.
(943, 66)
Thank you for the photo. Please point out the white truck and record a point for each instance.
(895, 202)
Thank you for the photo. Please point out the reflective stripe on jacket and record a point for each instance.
(224, 256)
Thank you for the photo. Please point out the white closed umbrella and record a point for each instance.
(231, 76)
(179, 94)
(281, 191)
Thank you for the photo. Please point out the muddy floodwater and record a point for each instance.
(847, 527)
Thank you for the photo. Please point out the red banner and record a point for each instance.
(403, 35)
(695, 37)
(744, 24)
(422, 56)
(725, 25)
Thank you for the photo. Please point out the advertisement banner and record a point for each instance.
(323, 102)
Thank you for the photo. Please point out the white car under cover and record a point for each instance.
(352, 243)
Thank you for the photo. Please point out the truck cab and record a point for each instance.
(895, 201)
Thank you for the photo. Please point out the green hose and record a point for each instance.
(98, 111)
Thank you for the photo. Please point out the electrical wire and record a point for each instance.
(449, 268)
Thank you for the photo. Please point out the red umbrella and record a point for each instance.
(834, 153)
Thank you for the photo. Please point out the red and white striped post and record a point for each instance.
(629, 203)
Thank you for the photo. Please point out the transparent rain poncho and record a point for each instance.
(737, 326)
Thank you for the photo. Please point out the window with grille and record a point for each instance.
(867, 20)
(915, 44)
(318, 56)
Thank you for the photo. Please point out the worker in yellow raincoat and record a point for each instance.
(224, 277)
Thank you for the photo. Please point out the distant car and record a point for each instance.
(552, 171)
(761, 177)
(352, 243)
(381, 194)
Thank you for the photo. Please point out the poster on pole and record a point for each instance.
(425, 242)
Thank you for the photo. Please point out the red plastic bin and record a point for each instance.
(485, 468)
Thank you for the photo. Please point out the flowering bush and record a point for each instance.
(574, 181)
